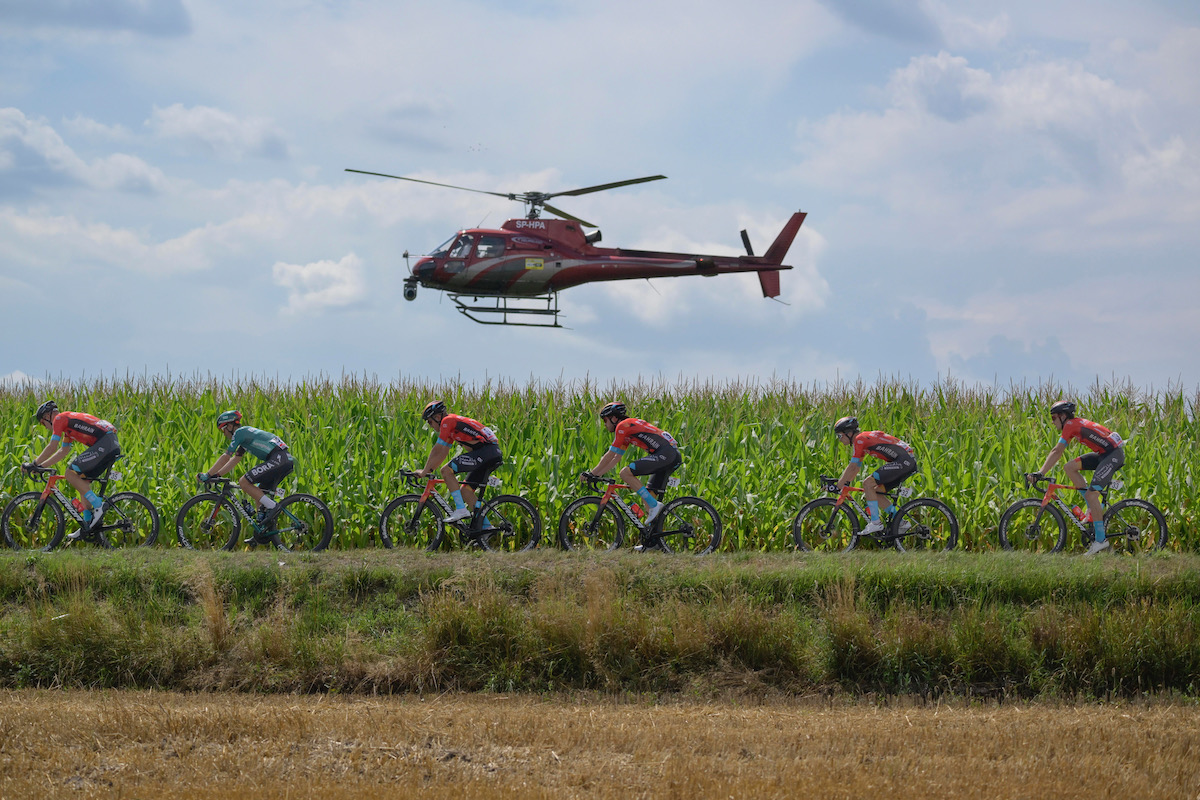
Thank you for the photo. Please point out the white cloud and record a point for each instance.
(18, 378)
(321, 284)
(80, 125)
(218, 132)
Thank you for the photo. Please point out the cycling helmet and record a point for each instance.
(845, 425)
(1064, 407)
(44, 409)
(229, 416)
(434, 407)
(614, 410)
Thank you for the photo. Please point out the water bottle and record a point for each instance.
(638, 511)
(1078, 512)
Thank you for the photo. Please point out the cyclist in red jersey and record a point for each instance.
(479, 458)
(1107, 456)
(100, 438)
(899, 462)
(661, 459)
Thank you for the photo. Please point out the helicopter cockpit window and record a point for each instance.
(462, 247)
(490, 247)
(443, 248)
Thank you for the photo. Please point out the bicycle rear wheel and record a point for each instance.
(130, 520)
(1135, 526)
(511, 524)
(408, 522)
(302, 522)
(586, 525)
(924, 525)
(1028, 527)
(208, 521)
(29, 524)
(824, 525)
(689, 525)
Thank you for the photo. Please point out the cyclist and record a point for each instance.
(479, 458)
(899, 462)
(259, 481)
(1107, 456)
(661, 459)
(100, 437)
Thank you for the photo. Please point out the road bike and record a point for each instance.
(507, 523)
(38, 520)
(1040, 525)
(212, 520)
(685, 524)
(830, 524)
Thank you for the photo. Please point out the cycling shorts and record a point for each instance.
(893, 473)
(92, 462)
(270, 473)
(1103, 466)
(659, 466)
(478, 464)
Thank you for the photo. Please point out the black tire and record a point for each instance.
(208, 521)
(822, 525)
(303, 523)
(29, 525)
(403, 524)
(1135, 526)
(924, 525)
(1022, 529)
(688, 525)
(586, 525)
(130, 520)
(515, 524)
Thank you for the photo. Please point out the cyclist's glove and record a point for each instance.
(203, 477)
(28, 467)
(1031, 478)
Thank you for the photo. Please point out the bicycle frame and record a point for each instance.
(845, 497)
(610, 495)
(465, 526)
(52, 490)
(242, 506)
(1051, 496)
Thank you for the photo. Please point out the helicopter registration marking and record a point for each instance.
(535, 263)
(531, 223)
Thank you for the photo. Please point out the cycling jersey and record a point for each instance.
(643, 434)
(1094, 436)
(880, 445)
(465, 431)
(75, 426)
(252, 440)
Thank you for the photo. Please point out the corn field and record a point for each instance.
(753, 449)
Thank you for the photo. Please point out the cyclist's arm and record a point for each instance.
(607, 462)
(849, 473)
(224, 464)
(53, 453)
(1053, 457)
(436, 456)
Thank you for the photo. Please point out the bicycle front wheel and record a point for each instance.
(302, 522)
(208, 521)
(510, 524)
(824, 525)
(30, 524)
(585, 524)
(925, 525)
(130, 520)
(408, 522)
(690, 525)
(1029, 527)
(1135, 526)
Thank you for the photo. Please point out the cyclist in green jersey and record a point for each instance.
(261, 480)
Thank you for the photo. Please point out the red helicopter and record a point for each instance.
(512, 276)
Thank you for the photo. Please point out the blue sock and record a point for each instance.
(1098, 526)
(458, 500)
(874, 506)
(644, 493)
(94, 499)
(891, 509)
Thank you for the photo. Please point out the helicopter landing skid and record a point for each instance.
(496, 309)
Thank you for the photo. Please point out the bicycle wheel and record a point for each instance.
(586, 525)
(303, 522)
(208, 521)
(1135, 526)
(1029, 527)
(29, 524)
(824, 525)
(511, 524)
(924, 525)
(406, 521)
(688, 524)
(130, 520)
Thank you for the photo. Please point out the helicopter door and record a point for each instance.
(459, 253)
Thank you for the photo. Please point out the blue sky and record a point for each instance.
(996, 191)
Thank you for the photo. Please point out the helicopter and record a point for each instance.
(512, 275)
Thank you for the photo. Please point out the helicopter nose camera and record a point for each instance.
(410, 291)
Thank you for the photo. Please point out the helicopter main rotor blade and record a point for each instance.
(560, 213)
(602, 187)
(432, 183)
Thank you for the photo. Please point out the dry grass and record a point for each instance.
(142, 744)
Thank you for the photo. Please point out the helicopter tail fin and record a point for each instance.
(769, 278)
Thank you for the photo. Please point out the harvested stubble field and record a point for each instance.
(152, 744)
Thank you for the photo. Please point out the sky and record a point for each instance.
(996, 192)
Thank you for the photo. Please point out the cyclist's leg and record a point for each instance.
(1103, 466)
(479, 464)
(888, 477)
(657, 484)
(262, 479)
(664, 458)
(90, 465)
